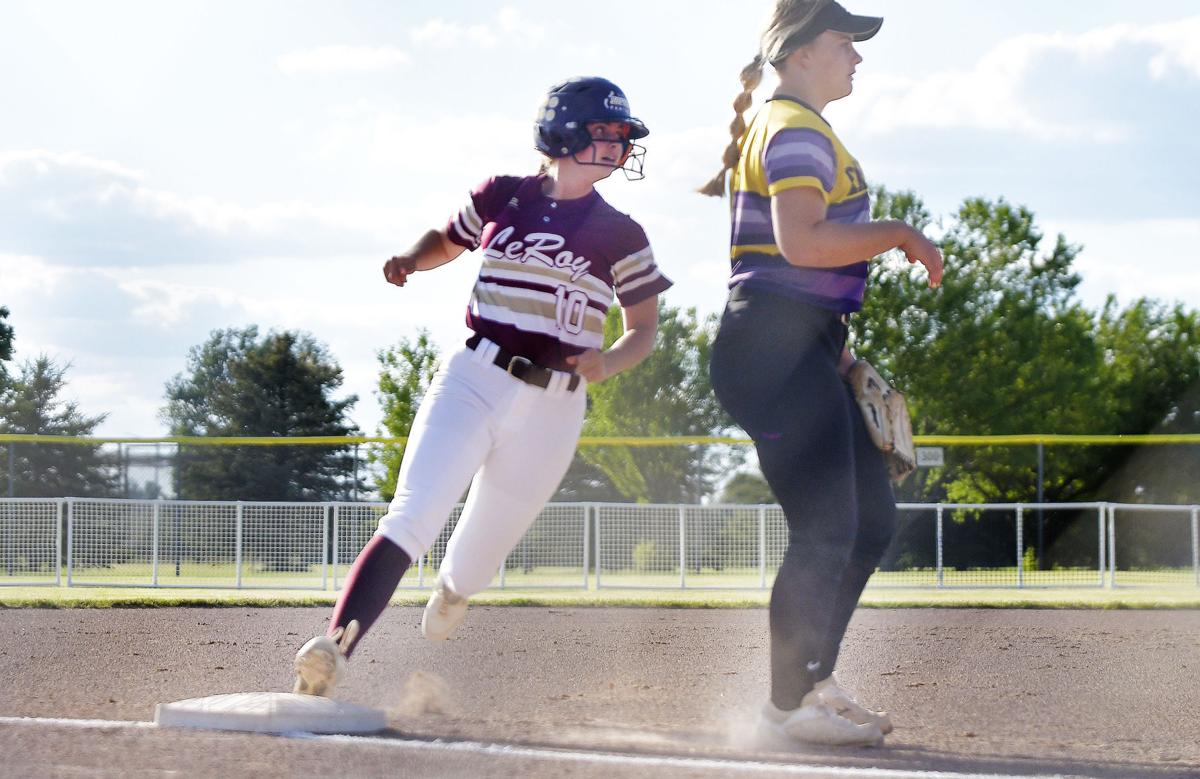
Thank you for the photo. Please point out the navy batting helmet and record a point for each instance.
(561, 126)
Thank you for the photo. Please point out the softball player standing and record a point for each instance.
(503, 414)
(801, 240)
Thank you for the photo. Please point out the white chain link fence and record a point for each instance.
(161, 543)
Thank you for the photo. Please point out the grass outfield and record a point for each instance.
(214, 584)
(1140, 597)
(208, 575)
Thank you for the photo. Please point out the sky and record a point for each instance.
(169, 169)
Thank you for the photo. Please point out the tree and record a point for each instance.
(30, 404)
(749, 488)
(1151, 367)
(6, 341)
(1004, 347)
(280, 385)
(406, 372)
(668, 394)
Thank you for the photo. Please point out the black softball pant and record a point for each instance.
(774, 369)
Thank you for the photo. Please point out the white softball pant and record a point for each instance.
(510, 441)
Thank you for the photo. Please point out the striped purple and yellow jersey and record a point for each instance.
(790, 145)
(550, 267)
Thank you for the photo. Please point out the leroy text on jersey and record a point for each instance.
(536, 246)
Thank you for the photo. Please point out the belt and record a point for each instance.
(522, 367)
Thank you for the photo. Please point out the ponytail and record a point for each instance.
(790, 28)
(750, 77)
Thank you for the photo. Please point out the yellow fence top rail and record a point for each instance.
(925, 440)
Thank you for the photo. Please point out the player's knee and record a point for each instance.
(829, 543)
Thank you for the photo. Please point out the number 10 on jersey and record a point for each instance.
(570, 308)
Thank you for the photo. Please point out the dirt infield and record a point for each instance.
(1089, 693)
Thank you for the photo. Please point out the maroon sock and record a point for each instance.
(369, 586)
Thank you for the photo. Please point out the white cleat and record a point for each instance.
(833, 696)
(321, 663)
(443, 613)
(817, 724)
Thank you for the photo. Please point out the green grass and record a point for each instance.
(213, 584)
(1142, 597)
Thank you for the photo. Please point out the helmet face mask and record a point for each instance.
(631, 163)
(562, 127)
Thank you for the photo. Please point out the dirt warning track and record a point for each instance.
(608, 692)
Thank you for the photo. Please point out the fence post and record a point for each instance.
(10, 551)
(237, 546)
(682, 549)
(941, 580)
(327, 512)
(762, 547)
(1020, 547)
(596, 546)
(1041, 513)
(586, 545)
(156, 518)
(58, 542)
(1112, 546)
(356, 473)
(70, 539)
(12, 472)
(1196, 543)
(334, 551)
(1100, 512)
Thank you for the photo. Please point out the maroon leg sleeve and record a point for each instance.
(369, 586)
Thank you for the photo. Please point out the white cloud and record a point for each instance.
(510, 25)
(42, 163)
(342, 59)
(1171, 47)
(165, 303)
(1135, 258)
(440, 34)
(416, 151)
(76, 209)
(26, 275)
(1017, 86)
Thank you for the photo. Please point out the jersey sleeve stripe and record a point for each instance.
(472, 220)
(641, 281)
(800, 151)
(466, 235)
(799, 181)
(643, 289)
(633, 280)
(632, 263)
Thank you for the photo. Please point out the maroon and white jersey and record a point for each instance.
(550, 267)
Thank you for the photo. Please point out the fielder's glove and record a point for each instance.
(886, 415)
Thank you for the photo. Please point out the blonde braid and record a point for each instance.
(783, 35)
(751, 77)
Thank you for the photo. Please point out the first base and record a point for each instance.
(270, 712)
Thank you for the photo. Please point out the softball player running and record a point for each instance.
(503, 413)
(801, 240)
